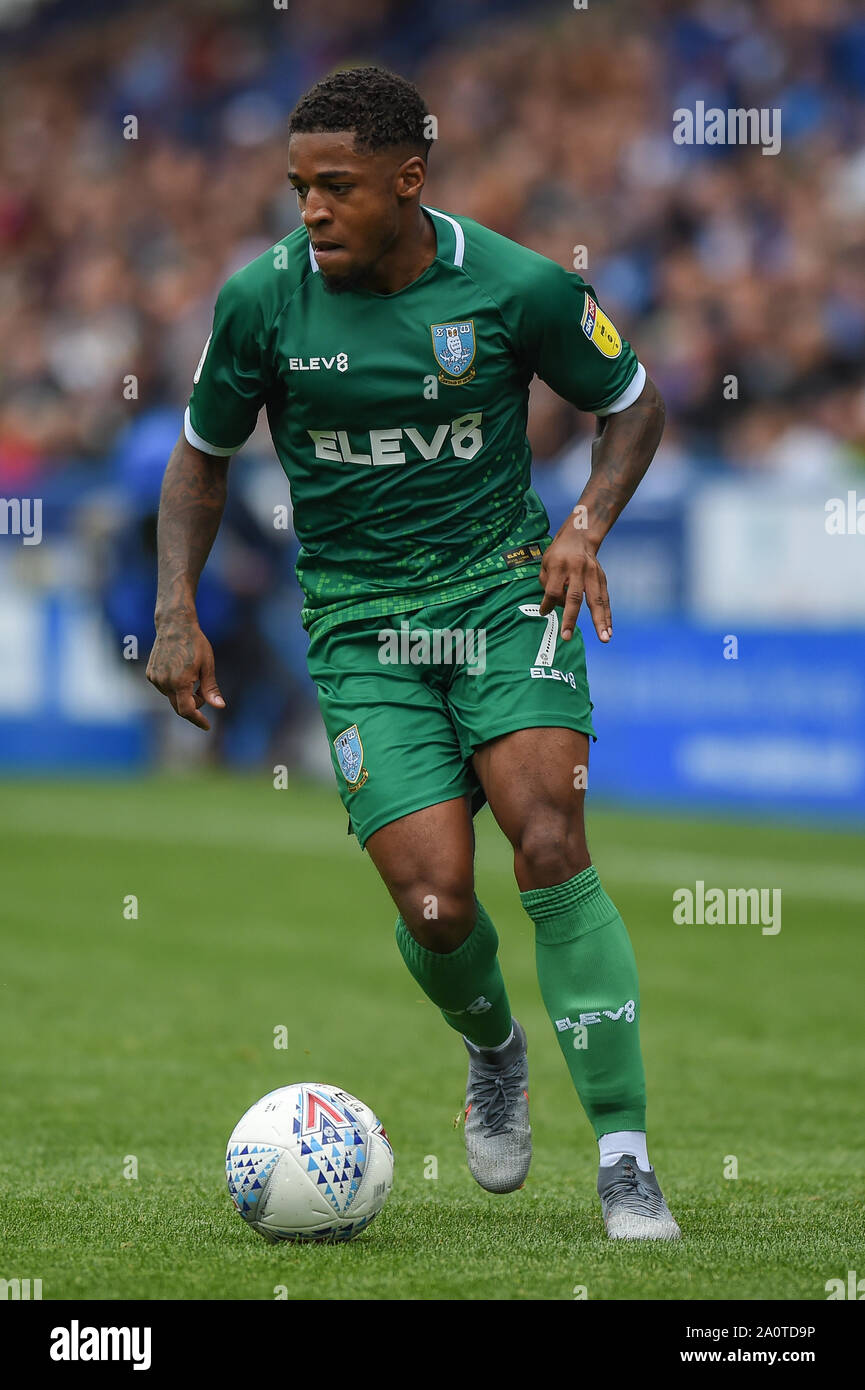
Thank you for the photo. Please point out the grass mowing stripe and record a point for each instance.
(150, 1038)
(283, 832)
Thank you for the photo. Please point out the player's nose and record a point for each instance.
(315, 212)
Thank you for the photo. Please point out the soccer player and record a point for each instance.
(392, 345)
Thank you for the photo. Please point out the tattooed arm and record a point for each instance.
(190, 510)
(622, 450)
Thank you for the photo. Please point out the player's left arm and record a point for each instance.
(563, 334)
(622, 450)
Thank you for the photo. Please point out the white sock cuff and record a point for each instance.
(624, 1141)
(499, 1048)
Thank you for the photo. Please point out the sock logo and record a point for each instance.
(478, 1006)
(564, 1025)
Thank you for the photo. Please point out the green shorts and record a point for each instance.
(407, 699)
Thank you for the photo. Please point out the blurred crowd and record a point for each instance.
(740, 277)
(143, 159)
(555, 130)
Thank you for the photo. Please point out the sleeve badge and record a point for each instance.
(599, 330)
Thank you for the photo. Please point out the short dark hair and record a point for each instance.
(382, 108)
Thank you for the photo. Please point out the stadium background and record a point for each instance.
(555, 128)
(556, 131)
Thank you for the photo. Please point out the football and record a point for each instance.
(309, 1162)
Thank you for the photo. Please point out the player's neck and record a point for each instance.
(407, 259)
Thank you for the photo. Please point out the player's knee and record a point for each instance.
(551, 847)
(440, 918)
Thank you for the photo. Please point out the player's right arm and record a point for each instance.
(229, 389)
(181, 664)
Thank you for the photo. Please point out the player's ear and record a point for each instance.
(411, 177)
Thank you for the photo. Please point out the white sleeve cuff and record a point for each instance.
(631, 393)
(202, 444)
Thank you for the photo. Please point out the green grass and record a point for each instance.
(151, 1037)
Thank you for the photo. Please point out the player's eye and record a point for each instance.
(300, 189)
(341, 187)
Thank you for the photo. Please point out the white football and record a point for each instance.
(309, 1162)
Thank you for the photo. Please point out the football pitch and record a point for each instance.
(132, 1045)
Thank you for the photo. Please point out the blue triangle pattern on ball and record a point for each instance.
(247, 1169)
(339, 1168)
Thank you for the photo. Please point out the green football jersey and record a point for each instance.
(400, 419)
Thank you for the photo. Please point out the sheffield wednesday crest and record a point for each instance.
(349, 754)
(454, 348)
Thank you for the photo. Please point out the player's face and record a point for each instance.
(350, 203)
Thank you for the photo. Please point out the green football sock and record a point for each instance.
(588, 979)
(466, 984)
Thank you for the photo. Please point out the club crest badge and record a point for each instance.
(349, 755)
(454, 348)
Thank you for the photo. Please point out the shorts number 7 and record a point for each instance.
(547, 648)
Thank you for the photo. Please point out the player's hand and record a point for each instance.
(570, 570)
(181, 666)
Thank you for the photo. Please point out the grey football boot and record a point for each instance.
(498, 1133)
(633, 1204)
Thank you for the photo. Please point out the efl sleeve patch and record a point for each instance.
(599, 330)
(569, 341)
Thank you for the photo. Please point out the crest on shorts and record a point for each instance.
(454, 348)
(349, 754)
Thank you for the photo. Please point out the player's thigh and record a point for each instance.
(426, 861)
(526, 719)
(534, 780)
(393, 745)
